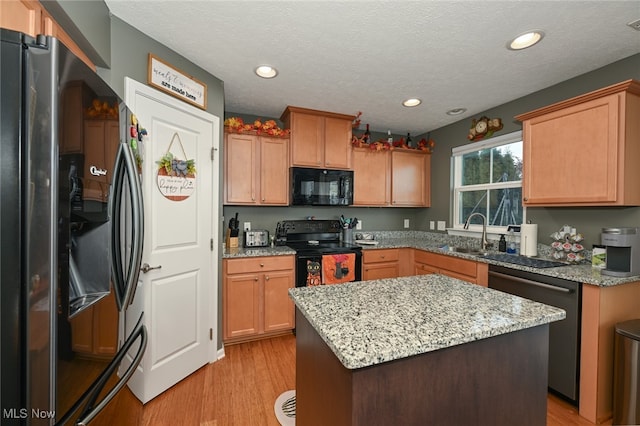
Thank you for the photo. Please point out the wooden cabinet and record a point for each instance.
(584, 151)
(255, 297)
(398, 178)
(455, 267)
(372, 177)
(256, 170)
(410, 178)
(94, 331)
(99, 148)
(21, 15)
(319, 139)
(380, 263)
(31, 18)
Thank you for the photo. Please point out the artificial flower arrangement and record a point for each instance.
(269, 127)
(424, 144)
(362, 141)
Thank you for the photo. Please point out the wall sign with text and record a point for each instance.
(176, 83)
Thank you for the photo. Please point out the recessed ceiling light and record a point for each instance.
(456, 111)
(525, 40)
(411, 102)
(265, 71)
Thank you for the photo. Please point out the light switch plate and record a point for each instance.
(432, 225)
(247, 226)
(442, 225)
(359, 225)
(406, 223)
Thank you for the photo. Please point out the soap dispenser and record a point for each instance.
(502, 244)
(511, 243)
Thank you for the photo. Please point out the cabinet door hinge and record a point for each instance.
(211, 334)
(211, 244)
(213, 153)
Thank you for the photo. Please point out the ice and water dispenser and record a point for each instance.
(623, 251)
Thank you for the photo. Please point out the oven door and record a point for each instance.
(328, 268)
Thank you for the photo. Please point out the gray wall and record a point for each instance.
(588, 221)
(128, 50)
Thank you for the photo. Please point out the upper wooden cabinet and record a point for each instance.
(398, 178)
(372, 177)
(256, 170)
(410, 178)
(21, 15)
(319, 139)
(31, 18)
(584, 151)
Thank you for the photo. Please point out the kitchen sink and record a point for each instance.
(466, 250)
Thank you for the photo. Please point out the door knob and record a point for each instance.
(146, 268)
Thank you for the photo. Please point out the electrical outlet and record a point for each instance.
(359, 225)
(442, 225)
(247, 226)
(432, 225)
(406, 223)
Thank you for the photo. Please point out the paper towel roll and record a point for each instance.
(529, 239)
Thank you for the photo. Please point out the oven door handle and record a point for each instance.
(531, 282)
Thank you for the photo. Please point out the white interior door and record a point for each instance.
(179, 297)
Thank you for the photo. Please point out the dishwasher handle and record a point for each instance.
(531, 282)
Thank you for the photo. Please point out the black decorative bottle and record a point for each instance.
(367, 135)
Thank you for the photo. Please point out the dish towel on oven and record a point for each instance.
(338, 268)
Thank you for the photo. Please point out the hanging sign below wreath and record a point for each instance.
(176, 178)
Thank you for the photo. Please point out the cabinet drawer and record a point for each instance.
(382, 255)
(461, 266)
(259, 264)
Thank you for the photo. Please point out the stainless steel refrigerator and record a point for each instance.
(71, 229)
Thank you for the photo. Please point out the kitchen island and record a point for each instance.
(419, 350)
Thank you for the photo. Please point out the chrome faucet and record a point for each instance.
(485, 243)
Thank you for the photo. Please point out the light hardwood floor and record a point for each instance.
(240, 389)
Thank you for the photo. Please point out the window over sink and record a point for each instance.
(487, 179)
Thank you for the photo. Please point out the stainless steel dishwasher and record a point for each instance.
(564, 336)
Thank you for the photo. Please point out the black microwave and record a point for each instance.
(321, 187)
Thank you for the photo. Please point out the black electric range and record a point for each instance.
(313, 239)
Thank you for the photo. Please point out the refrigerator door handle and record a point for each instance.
(92, 409)
(137, 215)
(125, 283)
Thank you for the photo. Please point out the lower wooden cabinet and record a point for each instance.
(255, 297)
(94, 331)
(383, 263)
(467, 270)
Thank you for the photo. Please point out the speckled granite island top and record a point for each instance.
(372, 322)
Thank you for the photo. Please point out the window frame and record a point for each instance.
(457, 226)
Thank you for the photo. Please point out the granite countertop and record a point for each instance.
(431, 241)
(371, 322)
(583, 273)
(236, 252)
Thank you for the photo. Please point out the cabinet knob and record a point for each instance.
(262, 265)
(525, 199)
(255, 279)
(266, 277)
(382, 256)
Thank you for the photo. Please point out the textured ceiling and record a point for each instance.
(350, 56)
